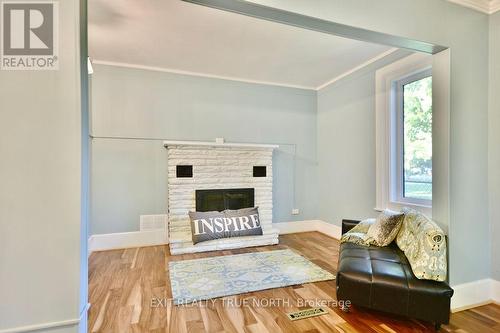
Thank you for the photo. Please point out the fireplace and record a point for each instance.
(221, 199)
(211, 176)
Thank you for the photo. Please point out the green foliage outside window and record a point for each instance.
(418, 139)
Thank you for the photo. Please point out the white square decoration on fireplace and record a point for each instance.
(217, 166)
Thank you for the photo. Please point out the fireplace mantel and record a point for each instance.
(215, 144)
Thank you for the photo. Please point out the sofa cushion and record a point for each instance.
(373, 277)
(424, 244)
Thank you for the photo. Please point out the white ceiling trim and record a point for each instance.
(485, 6)
(357, 68)
(494, 6)
(176, 71)
(212, 76)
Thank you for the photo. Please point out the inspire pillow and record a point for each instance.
(207, 226)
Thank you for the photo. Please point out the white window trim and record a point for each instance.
(385, 138)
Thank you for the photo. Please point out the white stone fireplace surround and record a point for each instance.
(217, 166)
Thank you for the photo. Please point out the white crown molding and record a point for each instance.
(494, 6)
(479, 5)
(175, 71)
(182, 72)
(484, 6)
(357, 68)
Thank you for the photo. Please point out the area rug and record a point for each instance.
(202, 279)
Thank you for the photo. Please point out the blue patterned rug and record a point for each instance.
(202, 279)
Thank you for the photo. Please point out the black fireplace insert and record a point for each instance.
(221, 199)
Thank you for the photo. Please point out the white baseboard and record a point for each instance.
(470, 294)
(476, 293)
(70, 325)
(326, 228)
(329, 229)
(294, 227)
(123, 240)
(495, 291)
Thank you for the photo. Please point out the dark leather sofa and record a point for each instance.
(381, 278)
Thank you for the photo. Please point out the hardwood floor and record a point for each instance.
(128, 290)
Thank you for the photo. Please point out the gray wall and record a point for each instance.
(129, 175)
(41, 278)
(494, 143)
(346, 145)
(464, 31)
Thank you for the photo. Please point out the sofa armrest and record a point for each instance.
(348, 225)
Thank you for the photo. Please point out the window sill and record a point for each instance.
(396, 205)
(410, 204)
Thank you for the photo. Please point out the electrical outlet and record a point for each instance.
(295, 211)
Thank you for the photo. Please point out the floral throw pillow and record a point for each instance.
(424, 244)
(357, 235)
(386, 227)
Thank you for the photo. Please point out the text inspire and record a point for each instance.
(225, 224)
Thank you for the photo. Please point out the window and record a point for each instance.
(413, 139)
(404, 134)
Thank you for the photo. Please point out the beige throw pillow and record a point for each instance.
(357, 235)
(386, 227)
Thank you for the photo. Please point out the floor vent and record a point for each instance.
(153, 222)
(307, 313)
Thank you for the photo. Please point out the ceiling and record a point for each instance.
(181, 37)
(485, 6)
